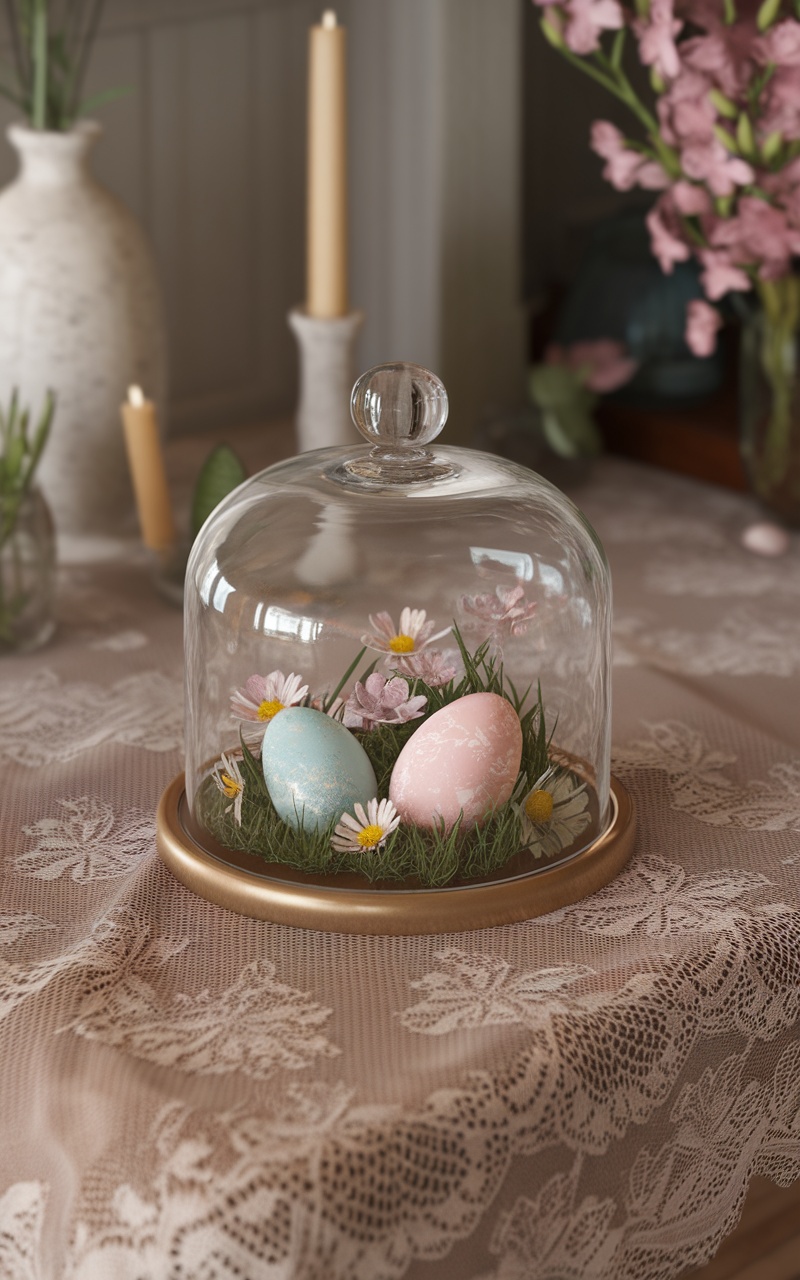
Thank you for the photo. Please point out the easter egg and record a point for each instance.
(464, 760)
(314, 768)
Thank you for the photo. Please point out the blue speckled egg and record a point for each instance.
(314, 768)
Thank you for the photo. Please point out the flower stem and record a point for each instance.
(781, 314)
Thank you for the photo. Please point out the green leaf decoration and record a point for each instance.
(566, 409)
(221, 472)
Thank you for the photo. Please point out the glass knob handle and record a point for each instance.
(397, 406)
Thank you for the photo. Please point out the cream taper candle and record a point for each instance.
(327, 170)
(146, 463)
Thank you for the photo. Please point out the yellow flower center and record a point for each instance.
(539, 806)
(369, 836)
(269, 709)
(230, 786)
(402, 644)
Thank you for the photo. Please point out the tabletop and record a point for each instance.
(192, 1094)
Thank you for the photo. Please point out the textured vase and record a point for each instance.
(80, 312)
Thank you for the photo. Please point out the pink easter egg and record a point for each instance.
(464, 760)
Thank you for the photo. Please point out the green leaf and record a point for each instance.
(771, 146)
(617, 48)
(745, 136)
(221, 472)
(725, 138)
(101, 99)
(723, 105)
(767, 14)
(571, 432)
(553, 36)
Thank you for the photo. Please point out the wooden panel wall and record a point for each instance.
(208, 150)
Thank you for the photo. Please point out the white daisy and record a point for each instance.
(553, 812)
(264, 696)
(228, 777)
(365, 830)
(413, 634)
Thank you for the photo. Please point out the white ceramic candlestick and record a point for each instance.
(326, 378)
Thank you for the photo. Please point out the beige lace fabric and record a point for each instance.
(192, 1095)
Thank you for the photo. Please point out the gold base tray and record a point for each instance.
(245, 883)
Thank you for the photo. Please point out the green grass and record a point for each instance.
(414, 855)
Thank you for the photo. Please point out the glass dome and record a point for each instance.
(398, 661)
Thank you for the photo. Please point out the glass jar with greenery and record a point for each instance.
(27, 539)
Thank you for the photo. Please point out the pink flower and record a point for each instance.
(604, 364)
(702, 323)
(780, 45)
(781, 104)
(381, 701)
(656, 35)
(585, 21)
(689, 199)
(721, 274)
(625, 167)
(758, 234)
(685, 111)
(264, 696)
(413, 634)
(507, 610)
(430, 665)
(664, 238)
(726, 54)
(710, 163)
(784, 188)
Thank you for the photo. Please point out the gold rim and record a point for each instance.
(287, 897)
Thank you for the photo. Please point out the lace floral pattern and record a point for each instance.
(741, 644)
(256, 1025)
(699, 786)
(194, 1095)
(21, 1218)
(87, 841)
(141, 710)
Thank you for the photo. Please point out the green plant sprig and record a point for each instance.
(52, 44)
(20, 452)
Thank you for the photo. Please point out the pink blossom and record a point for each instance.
(432, 666)
(780, 45)
(507, 610)
(656, 35)
(726, 54)
(626, 167)
(784, 188)
(382, 701)
(586, 19)
(689, 199)
(604, 364)
(721, 172)
(759, 233)
(702, 323)
(665, 237)
(685, 111)
(780, 104)
(721, 274)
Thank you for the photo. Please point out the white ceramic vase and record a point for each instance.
(81, 312)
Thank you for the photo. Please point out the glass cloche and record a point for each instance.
(397, 680)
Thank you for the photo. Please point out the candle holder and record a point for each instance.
(326, 377)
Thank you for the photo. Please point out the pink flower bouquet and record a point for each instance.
(720, 143)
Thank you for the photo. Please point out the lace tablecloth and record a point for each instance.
(187, 1093)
